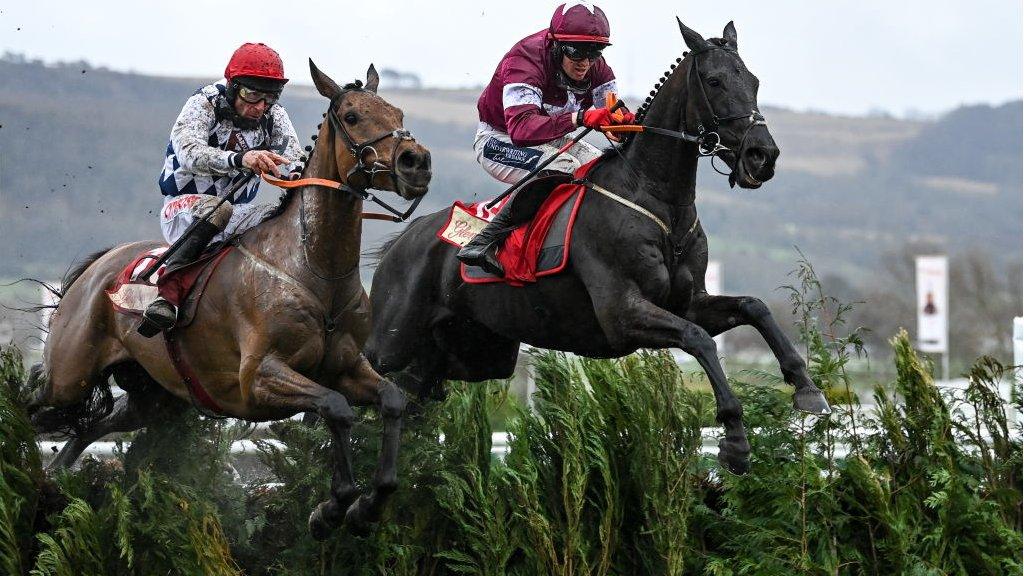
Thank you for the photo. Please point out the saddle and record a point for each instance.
(540, 246)
(182, 286)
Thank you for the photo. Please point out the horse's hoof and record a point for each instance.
(811, 401)
(734, 456)
(320, 524)
(356, 518)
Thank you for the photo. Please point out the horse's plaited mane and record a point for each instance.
(288, 193)
(641, 112)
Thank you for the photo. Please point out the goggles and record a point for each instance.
(255, 96)
(578, 52)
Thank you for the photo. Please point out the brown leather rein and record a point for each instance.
(334, 185)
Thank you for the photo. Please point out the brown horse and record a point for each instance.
(282, 322)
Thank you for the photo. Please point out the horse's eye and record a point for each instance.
(714, 82)
(351, 118)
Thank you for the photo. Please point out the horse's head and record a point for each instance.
(712, 99)
(371, 148)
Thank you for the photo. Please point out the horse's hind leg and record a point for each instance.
(143, 401)
(716, 314)
(125, 417)
(275, 385)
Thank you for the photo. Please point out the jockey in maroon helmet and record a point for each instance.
(543, 89)
(231, 124)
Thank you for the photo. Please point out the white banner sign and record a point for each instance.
(932, 304)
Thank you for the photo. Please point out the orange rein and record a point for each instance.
(622, 128)
(281, 183)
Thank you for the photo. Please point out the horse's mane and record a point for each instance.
(285, 199)
(78, 269)
(641, 112)
(375, 255)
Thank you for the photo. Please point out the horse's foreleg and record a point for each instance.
(716, 314)
(364, 383)
(277, 385)
(634, 322)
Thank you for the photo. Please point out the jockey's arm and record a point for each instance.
(190, 135)
(527, 126)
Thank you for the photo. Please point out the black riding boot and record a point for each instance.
(482, 250)
(160, 314)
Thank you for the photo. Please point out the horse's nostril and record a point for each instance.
(407, 159)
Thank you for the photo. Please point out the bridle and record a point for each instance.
(753, 116)
(708, 142)
(367, 168)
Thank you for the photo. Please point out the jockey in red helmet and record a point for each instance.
(543, 89)
(225, 126)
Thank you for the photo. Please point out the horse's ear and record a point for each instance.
(729, 34)
(372, 79)
(694, 41)
(324, 85)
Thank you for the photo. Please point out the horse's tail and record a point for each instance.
(77, 418)
(58, 292)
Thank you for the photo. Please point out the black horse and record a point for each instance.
(636, 274)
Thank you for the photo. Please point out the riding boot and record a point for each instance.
(482, 250)
(160, 314)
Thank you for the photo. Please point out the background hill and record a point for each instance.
(81, 148)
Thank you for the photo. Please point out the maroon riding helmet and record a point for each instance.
(580, 22)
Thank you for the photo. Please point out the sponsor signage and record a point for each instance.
(932, 304)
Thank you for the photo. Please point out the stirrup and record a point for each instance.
(152, 323)
(487, 259)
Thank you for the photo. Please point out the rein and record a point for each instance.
(397, 216)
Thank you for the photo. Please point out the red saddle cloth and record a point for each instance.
(535, 249)
(131, 294)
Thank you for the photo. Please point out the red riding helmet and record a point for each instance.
(256, 61)
(580, 21)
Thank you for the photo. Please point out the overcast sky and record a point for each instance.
(846, 56)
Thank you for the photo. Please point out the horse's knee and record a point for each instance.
(392, 400)
(754, 308)
(698, 343)
(335, 409)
